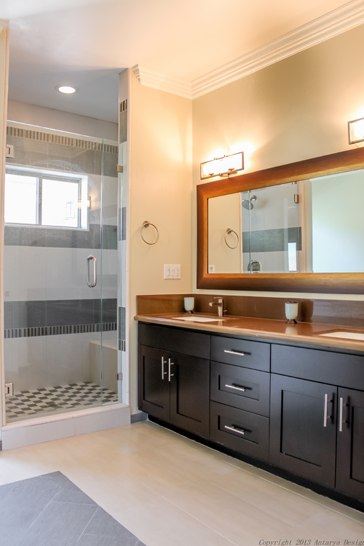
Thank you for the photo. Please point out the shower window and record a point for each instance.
(44, 199)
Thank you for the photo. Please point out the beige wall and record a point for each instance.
(160, 192)
(4, 69)
(290, 111)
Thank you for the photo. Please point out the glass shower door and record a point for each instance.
(60, 261)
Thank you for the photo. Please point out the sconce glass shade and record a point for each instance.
(356, 131)
(222, 166)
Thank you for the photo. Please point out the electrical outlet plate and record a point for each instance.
(172, 271)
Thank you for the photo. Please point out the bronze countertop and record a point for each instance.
(303, 332)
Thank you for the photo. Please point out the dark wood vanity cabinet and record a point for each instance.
(317, 429)
(239, 393)
(350, 443)
(173, 386)
(296, 408)
(303, 428)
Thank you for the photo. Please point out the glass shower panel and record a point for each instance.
(109, 275)
(55, 318)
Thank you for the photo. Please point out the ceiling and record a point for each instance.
(86, 43)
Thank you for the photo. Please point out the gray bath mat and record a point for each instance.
(50, 510)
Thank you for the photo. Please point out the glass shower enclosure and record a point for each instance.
(60, 273)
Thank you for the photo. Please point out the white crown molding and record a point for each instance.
(177, 86)
(323, 28)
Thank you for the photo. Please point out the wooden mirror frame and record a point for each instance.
(344, 283)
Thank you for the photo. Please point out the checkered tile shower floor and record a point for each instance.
(29, 403)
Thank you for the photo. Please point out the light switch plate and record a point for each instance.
(172, 271)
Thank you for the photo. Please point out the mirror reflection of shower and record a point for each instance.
(248, 204)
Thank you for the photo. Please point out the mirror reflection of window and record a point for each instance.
(338, 223)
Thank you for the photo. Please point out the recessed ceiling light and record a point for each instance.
(67, 89)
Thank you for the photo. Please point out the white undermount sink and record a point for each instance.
(193, 318)
(345, 335)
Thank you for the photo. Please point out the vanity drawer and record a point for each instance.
(239, 352)
(176, 340)
(239, 430)
(340, 369)
(241, 388)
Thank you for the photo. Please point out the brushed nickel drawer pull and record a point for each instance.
(242, 432)
(234, 353)
(341, 414)
(242, 389)
(341, 417)
(325, 410)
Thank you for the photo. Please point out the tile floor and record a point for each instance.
(170, 491)
(63, 397)
(49, 510)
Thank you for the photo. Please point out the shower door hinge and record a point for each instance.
(9, 151)
(119, 168)
(119, 376)
(9, 389)
(296, 198)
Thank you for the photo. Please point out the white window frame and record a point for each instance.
(40, 174)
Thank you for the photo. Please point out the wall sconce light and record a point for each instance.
(222, 166)
(356, 131)
(88, 202)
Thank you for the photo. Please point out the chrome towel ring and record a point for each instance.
(227, 232)
(145, 225)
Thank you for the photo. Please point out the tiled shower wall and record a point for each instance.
(50, 313)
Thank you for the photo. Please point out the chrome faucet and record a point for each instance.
(219, 304)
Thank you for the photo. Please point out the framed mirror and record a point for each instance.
(297, 227)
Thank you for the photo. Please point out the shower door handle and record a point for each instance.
(94, 282)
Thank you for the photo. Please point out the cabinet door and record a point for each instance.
(350, 444)
(153, 383)
(299, 440)
(189, 393)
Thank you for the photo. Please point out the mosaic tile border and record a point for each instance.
(11, 333)
(59, 139)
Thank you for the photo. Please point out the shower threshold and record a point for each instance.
(46, 427)
(56, 400)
